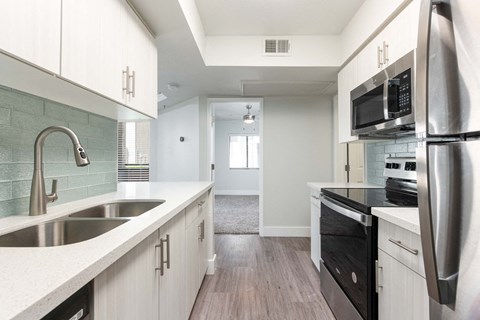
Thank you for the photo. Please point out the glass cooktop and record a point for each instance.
(364, 199)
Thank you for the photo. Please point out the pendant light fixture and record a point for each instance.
(248, 118)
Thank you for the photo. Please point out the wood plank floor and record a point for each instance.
(261, 278)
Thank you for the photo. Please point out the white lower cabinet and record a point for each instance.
(172, 282)
(402, 292)
(315, 227)
(196, 249)
(160, 278)
(128, 289)
(134, 287)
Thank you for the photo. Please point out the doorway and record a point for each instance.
(236, 157)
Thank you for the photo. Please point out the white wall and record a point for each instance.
(233, 181)
(297, 148)
(317, 51)
(171, 159)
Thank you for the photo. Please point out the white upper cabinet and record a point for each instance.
(94, 45)
(107, 49)
(347, 81)
(30, 30)
(142, 60)
(397, 39)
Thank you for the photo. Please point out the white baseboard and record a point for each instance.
(211, 265)
(286, 232)
(236, 192)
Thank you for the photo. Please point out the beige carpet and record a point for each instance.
(236, 214)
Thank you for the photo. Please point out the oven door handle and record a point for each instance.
(339, 207)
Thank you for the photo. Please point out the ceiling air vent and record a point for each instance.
(276, 47)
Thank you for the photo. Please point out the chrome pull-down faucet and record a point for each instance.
(38, 196)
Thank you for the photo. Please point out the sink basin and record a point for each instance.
(59, 232)
(118, 209)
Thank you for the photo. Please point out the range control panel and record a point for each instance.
(401, 168)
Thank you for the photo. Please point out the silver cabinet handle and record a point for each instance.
(167, 241)
(162, 254)
(201, 203)
(377, 281)
(385, 52)
(315, 197)
(379, 57)
(401, 245)
(126, 80)
(132, 77)
(199, 231)
(160, 268)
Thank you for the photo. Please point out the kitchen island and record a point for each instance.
(33, 281)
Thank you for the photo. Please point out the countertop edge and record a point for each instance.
(406, 218)
(47, 301)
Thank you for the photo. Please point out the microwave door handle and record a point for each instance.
(388, 114)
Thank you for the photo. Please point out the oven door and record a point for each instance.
(348, 243)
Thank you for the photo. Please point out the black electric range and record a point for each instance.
(364, 199)
(348, 233)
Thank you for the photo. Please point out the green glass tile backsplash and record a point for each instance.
(22, 117)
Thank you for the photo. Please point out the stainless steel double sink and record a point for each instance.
(79, 226)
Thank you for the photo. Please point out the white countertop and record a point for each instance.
(33, 281)
(406, 218)
(320, 185)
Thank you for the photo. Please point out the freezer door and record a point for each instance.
(449, 205)
(448, 68)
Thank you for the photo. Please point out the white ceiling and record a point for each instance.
(234, 110)
(180, 62)
(276, 17)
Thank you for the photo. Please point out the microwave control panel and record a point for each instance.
(404, 93)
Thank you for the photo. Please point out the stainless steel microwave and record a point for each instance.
(384, 105)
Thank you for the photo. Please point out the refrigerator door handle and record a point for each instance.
(438, 219)
(422, 60)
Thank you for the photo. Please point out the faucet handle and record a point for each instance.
(53, 196)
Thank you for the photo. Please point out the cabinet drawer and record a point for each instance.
(401, 244)
(195, 208)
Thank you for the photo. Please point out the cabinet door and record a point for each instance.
(203, 262)
(346, 82)
(368, 61)
(172, 282)
(94, 45)
(403, 293)
(31, 31)
(315, 232)
(127, 289)
(192, 251)
(142, 59)
(401, 33)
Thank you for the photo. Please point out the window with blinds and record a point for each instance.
(244, 150)
(133, 151)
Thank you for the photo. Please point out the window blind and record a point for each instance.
(133, 151)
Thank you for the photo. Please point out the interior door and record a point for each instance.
(356, 154)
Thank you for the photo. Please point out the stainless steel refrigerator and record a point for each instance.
(448, 157)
